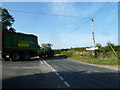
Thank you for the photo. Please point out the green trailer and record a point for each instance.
(19, 45)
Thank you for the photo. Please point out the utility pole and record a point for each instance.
(93, 35)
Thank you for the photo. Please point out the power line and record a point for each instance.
(100, 10)
(76, 28)
(47, 14)
(86, 21)
(64, 16)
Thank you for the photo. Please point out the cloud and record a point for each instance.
(77, 39)
(62, 8)
(70, 8)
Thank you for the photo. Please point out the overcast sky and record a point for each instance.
(65, 31)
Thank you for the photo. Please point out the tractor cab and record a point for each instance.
(46, 48)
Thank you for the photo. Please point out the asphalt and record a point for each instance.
(29, 74)
(80, 75)
(56, 72)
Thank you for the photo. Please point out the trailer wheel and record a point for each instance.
(26, 56)
(4, 57)
(14, 56)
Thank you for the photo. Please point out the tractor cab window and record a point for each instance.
(46, 46)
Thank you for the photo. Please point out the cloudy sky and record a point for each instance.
(66, 24)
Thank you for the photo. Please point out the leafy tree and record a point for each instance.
(98, 45)
(12, 29)
(6, 19)
(108, 46)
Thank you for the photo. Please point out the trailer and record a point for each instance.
(19, 45)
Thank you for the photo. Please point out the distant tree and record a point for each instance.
(109, 43)
(108, 46)
(98, 45)
(6, 19)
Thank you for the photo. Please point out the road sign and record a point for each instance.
(92, 48)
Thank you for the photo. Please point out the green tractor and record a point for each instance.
(47, 50)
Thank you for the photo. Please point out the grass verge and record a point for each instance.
(90, 60)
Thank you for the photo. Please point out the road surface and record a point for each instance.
(56, 72)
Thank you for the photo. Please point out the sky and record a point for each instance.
(66, 24)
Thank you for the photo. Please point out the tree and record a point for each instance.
(6, 19)
(98, 45)
(109, 45)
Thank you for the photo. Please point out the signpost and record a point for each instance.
(92, 48)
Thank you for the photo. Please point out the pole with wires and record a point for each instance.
(93, 35)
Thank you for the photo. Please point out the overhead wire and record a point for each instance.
(65, 16)
(100, 10)
(47, 14)
(76, 29)
(72, 16)
(86, 21)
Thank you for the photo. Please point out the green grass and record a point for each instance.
(90, 60)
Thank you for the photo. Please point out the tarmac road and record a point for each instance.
(29, 74)
(56, 72)
(79, 75)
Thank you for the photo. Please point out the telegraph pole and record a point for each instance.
(93, 35)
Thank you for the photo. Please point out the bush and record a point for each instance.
(101, 53)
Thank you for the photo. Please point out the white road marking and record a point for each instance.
(53, 70)
(66, 84)
(57, 74)
(58, 87)
(48, 65)
(61, 78)
(44, 61)
(41, 62)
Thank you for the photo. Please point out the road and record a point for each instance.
(56, 72)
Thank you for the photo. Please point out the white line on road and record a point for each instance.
(66, 84)
(53, 70)
(61, 78)
(44, 62)
(57, 74)
(58, 87)
(41, 62)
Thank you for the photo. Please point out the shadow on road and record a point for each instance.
(54, 58)
(37, 59)
(32, 59)
(25, 81)
(81, 79)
